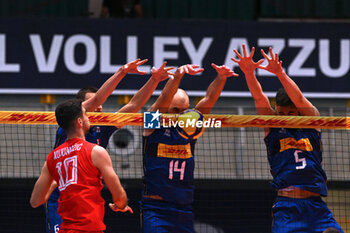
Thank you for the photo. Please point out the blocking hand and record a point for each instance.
(224, 71)
(189, 69)
(162, 73)
(132, 67)
(246, 63)
(274, 65)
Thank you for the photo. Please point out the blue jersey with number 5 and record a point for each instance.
(295, 157)
(168, 164)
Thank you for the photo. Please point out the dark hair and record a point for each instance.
(282, 98)
(67, 112)
(331, 230)
(82, 92)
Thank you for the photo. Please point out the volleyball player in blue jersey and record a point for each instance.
(294, 155)
(168, 158)
(92, 101)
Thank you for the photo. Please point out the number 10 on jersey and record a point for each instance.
(71, 169)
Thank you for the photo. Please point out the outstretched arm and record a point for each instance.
(42, 191)
(107, 88)
(274, 66)
(164, 100)
(248, 66)
(214, 90)
(143, 95)
(102, 161)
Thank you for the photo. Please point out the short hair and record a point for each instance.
(331, 230)
(67, 112)
(282, 98)
(82, 92)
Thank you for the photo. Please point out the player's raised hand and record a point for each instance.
(245, 62)
(162, 73)
(224, 71)
(115, 208)
(132, 67)
(274, 65)
(189, 69)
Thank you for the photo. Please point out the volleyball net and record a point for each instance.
(232, 173)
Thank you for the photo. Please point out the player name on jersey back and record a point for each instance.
(66, 150)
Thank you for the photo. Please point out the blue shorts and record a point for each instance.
(159, 219)
(309, 215)
(53, 219)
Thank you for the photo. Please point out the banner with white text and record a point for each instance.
(62, 55)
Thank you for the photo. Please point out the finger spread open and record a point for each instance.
(237, 53)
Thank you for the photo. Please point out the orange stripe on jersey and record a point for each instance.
(290, 143)
(174, 151)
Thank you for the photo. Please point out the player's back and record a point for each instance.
(79, 181)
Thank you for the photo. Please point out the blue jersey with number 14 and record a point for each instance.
(168, 162)
(295, 157)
